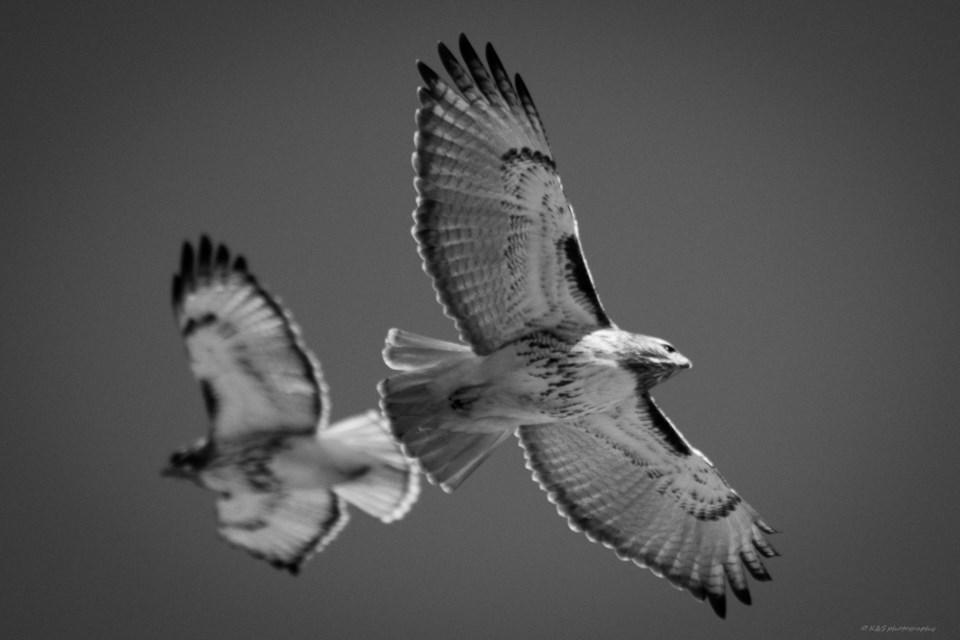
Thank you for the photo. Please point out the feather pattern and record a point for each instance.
(284, 528)
(244, 348)
(494, 229)
(616, 476)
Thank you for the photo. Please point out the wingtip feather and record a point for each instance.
(718, 602)
(204, 257)
(240, 265)
(429, 76)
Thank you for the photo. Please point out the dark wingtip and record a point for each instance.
(444, 51)
(293, 568)
(719, 604)
(240, 265)
(493, 60)
(466, 49)
(202, 262)
(183, 278)
(429, 76)
(521, 87)
(743, 595)
(204, 256)
(449, 61)
(176, 290)
(186, 260)
(222, 259)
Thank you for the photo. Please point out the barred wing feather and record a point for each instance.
(285, 528)
(629, 480)
(494, 228)
(244, 348)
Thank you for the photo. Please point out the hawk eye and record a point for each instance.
(669, 348)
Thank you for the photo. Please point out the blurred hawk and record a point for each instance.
(544, 360)
(283, 475)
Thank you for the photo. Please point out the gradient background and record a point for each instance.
(773, 188)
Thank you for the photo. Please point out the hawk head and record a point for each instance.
(653, 360)
(189, 462)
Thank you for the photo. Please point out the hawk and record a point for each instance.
(283, 475)
(542, 358)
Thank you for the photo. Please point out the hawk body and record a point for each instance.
(541, 358)
(283, 476)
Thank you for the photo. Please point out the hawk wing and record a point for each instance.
(494, 229)
(628, 479)
(255, 372)
(283, 528)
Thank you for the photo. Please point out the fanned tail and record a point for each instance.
(416, 404)
(391, 484)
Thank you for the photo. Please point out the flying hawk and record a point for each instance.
(283, 475)
(544, 360)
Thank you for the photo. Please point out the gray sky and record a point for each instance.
(774, 189)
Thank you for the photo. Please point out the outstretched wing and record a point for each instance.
(283, 528)
(495, 231)
(628, 479)
(244, 348)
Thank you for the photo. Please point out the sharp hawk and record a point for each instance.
(283, 475)
(542, 358)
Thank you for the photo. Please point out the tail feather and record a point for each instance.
(449, 459)
(448, 447)
(390, 485)
(386, 493)
(407, 351)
